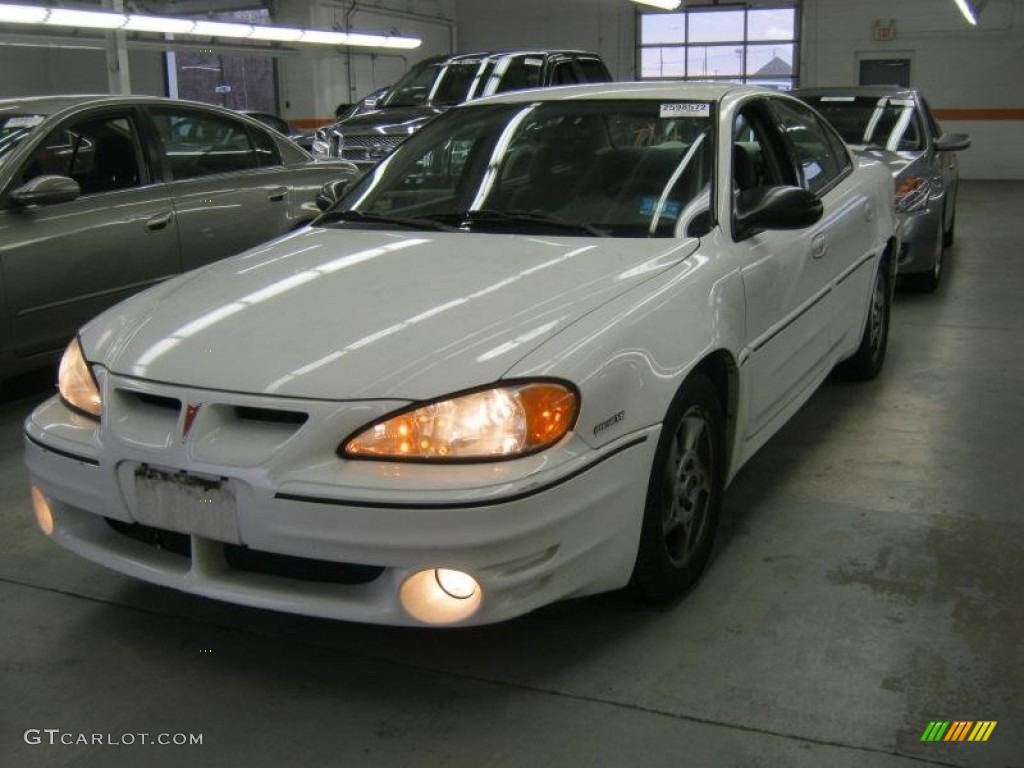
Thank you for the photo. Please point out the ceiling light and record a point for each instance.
(158, 24)
(67, 17)
(22, 14)
(668, 5)
(967, 11)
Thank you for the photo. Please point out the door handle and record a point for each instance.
(277, 195)
(160, 221)
(869, 211)
(818, 246)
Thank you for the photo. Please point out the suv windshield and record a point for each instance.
(434, 82)
(14, 129)
(885, 122)
(620, 168)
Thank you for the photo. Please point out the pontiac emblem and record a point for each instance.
(190, 416)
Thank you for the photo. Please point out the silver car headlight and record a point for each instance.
(912, 194)
(76, 384)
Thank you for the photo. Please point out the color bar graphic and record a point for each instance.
(958, 730)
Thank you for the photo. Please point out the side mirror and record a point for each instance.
(46, 190)
(330, 193)
(952, 142)
(775, 208)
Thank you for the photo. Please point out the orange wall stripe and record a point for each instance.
(309, 122)
(979, 114)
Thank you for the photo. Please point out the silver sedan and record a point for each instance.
(895, 125)
(101, 196)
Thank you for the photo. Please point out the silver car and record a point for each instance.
(895, 125)
(101, 196)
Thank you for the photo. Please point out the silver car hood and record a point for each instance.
(898, 163)
(353, 313)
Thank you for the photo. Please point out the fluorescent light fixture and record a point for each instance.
(668, 5)
(282, 34)
(158, 24)
(22, 14)
(67, 17)
(968, 11)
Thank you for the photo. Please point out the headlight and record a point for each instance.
(501, 422)
(912, 194)
(76, 383)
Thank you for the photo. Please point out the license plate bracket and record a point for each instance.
(187, 503)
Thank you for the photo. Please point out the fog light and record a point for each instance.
(441, 595)
(44, 516)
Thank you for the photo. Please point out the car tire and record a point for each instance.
(867, 361)
(684, 495)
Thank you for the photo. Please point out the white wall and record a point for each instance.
(33, 71)
(957, 66)
(313, 83)
(606, 27)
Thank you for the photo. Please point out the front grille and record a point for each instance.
(302, 568)
(367, 148)
(169, 541)
(242, 558)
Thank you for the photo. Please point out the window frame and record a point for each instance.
(686, 46)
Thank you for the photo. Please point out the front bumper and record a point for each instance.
(921, 239)
(308, 533)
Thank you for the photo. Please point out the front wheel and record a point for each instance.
(684, 495)
(867, 361)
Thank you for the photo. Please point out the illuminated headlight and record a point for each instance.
(502, 422)
(912, 194)
(76, 383)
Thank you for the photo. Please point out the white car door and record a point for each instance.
(794, 317)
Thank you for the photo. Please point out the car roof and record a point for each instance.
(49, 105)
(667, 90)
(896, 91)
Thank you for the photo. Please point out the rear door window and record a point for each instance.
(199, 144)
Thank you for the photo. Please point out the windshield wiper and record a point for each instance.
(376, 218)
(529, 217)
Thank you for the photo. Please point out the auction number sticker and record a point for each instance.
(686, 109)
(22, 121)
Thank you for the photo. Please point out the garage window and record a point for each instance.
(734, 43)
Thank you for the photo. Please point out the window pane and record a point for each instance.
(197, 144)
(267, 152)
(777, 24)
(662, 28)
(716, 26)
(770, 60)
(662, 62)
(814, 152)
(715, 60)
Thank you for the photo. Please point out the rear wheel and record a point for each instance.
(867, 362)
(684, 495)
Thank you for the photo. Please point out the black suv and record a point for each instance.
(438, 83)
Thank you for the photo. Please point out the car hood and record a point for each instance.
(900, 164)
(345, 313)
(400, 120)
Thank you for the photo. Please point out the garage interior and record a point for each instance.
(866, 580)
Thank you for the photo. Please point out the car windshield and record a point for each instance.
(885, 122)
(435, 82)
(14, 129)
(618, 168)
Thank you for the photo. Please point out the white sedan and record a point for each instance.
(517, 362)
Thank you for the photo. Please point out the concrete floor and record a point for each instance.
(867, 580)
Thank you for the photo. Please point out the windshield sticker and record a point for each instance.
(23, 121)
(902, 102)
(686, 109)
(838, 98)
(670, 210)
(534, 62)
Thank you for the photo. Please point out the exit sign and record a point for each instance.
(885, 30)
